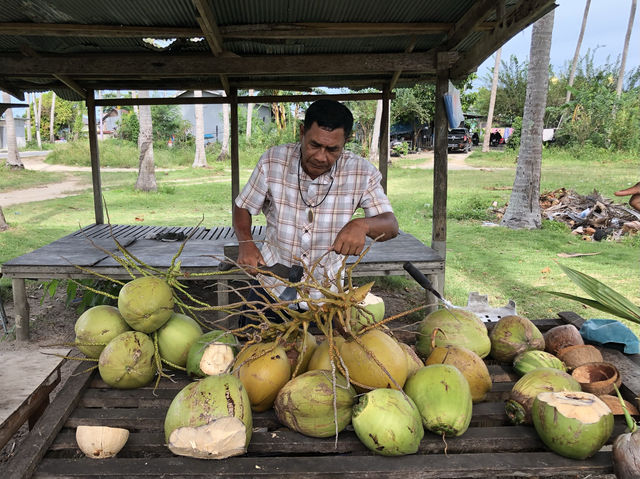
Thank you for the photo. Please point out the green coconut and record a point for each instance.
(529, 360)
(368, 312)
(212, 353)
(263, 369)
(443, 397)
(299, 352)
(96, 327)
(572, 424)
(460, 328)
(127, 361)
(365, 371)
(306, 404)
(146, 303)
(210, 419)
(513, 335)
(175, 338)
(388, 422)
(472, 367)
(525, 390)
(413, 361)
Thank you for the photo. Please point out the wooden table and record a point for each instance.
(490, 448)
(202, 253)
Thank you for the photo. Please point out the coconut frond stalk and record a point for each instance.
(603, 297)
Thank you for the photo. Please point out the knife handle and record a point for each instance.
(421, 279)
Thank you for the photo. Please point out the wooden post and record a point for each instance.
(383, 150)
(95, 158)
(20, 309)
(235, 155)
(439, 225)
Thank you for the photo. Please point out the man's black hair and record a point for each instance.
(329, 114)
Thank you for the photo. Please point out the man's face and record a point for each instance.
(321, 149)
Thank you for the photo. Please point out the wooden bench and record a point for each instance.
(202, 253)
(490, 448)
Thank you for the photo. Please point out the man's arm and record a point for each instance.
(351, 238)
(248, 252)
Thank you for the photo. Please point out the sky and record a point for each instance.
(605, 31)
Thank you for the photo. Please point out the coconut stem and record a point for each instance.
(631, 424)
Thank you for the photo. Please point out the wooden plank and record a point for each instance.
(43, 434)
(435, 466)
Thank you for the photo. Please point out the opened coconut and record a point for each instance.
(388, 422)
(472, 367)
(96, 327)
(263, 368)
(560, 337)
(368, 312)
(572, 423)
(306, 404)
(376, 360)
(127, 362)
(146, 303)
(101, 442)
(513, 335)
(524, 392)
(529, 360)
(443, 397)
(460, 327)
(209, 419)
(175, 338)
(212, 353)
(320, 358)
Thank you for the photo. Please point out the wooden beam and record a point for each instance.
(96, 31)
(250, 31)
(188, 65)
(209, 25)
(467, 24)
(516, 20)
(396, 74)
(95, 158)
(71, 83)
(218, 100)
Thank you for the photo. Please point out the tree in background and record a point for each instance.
(510, 94)
(3, 222)
(52, 117)
(625, 48)
(492, 101)
(200, 160)
(146, 169)
(415, 106)
(226, 122)
(576, 55)
(523, 210)
(249, 117)
(13, 156)
(364, 116)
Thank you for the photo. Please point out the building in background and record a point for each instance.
(20, 138)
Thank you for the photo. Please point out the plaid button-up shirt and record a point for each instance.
(294, 234)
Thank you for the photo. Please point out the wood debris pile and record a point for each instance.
(593, 216)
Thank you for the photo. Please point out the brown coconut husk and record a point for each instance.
(597, 378)
(561, 337)
(579, 354)
(615, 406)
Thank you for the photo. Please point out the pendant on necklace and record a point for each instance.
(310, 215)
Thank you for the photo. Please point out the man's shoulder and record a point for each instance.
(280, 152)
(353, 162)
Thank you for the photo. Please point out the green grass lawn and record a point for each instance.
(501, 263)
(20, 179)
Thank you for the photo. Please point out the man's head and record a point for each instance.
(327, 125)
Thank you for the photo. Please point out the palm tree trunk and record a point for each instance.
(224, 151)
(29, 135)
(374, 152)
(146, 169)
(523, 210)
(249, 117)
(38, 118)
(3, 223)
(576, 55)
(200, 160)
(52, 117)
(13, 156)
(625, 49)
(101, 122)
(492, 101)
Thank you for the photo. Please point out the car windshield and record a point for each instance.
(458, 131)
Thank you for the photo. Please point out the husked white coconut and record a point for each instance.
(100, 442)
(224, 437)
(217, 359)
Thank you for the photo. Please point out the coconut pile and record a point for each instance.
(390, 393)
(593, 216)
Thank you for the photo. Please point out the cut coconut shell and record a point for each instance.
(219, 439)
(614, 404)
(597, 378)
(579, 354)
(101, 442)
(561, 337)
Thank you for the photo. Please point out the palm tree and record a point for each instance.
(492, 101)
(52, 137)
(625, 49)
(3, 222)
(224, 151)
(38, 118)
(146, 169)
(13, 156)
(523, 210)
(576, 55)
(249, 117)
(200, 160)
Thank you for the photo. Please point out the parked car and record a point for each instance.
(459, 139)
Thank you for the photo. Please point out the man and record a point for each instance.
(308, 192)
(634, 191)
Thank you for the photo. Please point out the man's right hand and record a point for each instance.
(249, 255)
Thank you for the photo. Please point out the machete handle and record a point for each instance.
(420, 278)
